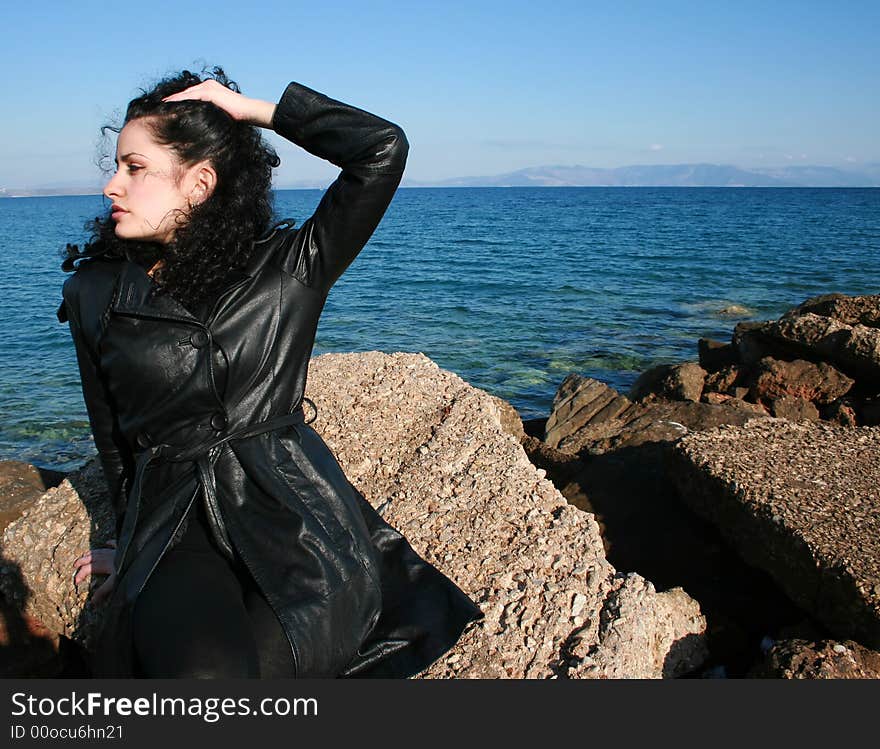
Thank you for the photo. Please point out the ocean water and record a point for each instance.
(511, 288)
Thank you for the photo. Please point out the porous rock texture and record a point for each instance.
(430, 453)
(428, 450)
(802, 501)
(39, 548)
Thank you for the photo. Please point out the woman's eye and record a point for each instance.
(132, 168)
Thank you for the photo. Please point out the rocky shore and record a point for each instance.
(720, 519)
(748, 477)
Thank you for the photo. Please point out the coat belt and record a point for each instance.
(204, 457)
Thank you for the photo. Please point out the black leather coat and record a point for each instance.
(209, 408)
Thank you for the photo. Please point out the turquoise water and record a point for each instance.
(511, 288)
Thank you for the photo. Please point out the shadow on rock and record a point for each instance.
(648, 530)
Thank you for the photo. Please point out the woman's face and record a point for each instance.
(151, 191)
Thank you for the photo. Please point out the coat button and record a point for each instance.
(143, 440)
(219, 421)
(199, 339)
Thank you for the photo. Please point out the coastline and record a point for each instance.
(644, 465)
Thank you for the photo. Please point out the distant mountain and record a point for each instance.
(669, 175)
(34, 192)
(658, 175)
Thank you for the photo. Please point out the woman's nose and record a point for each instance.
(113, 187)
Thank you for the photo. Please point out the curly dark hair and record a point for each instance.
(218, 236)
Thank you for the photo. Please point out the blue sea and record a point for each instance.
(511, 288)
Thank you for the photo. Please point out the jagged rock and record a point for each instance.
(715, 355)
(606, 421)
(825, 659)
(682, 382)
(716, 398)
(429, 452)
(850, 310)
(637, 632)
(40, 547)
(723, 380)
(580, 401)
(854, 349)
(802, 502)
(509, 418)
(793, 409)
(820, 383)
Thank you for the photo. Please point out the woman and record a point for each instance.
(242, 548)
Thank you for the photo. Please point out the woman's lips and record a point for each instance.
(117, 214)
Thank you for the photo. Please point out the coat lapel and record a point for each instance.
(134, 295)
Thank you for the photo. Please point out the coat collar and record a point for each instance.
(133, 292)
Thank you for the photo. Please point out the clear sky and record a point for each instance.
(479, 87)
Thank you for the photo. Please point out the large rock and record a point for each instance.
(850, 310)
(590, 417)
(820, 383)
(800, 501)
(854, 349)
(682, 382)
(39, 548)
(578, 403)
(430, 453)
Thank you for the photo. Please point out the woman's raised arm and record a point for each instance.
(371, 152)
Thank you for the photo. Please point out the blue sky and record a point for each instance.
(479, 87)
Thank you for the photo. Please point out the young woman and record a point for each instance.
(243, 550)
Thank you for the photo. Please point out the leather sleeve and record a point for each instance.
(114, 454)
(372, 154)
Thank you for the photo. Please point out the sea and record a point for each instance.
(510, 288)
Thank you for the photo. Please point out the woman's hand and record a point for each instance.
(238, 107)
(97, 562)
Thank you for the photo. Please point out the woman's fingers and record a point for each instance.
(214, 92)
(94, 562)
(97, 562)
(236, 105)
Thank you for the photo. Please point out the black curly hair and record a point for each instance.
(218, 236)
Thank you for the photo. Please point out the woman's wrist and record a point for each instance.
(261, 113)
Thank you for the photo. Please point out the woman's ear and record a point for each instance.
(204, 180)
